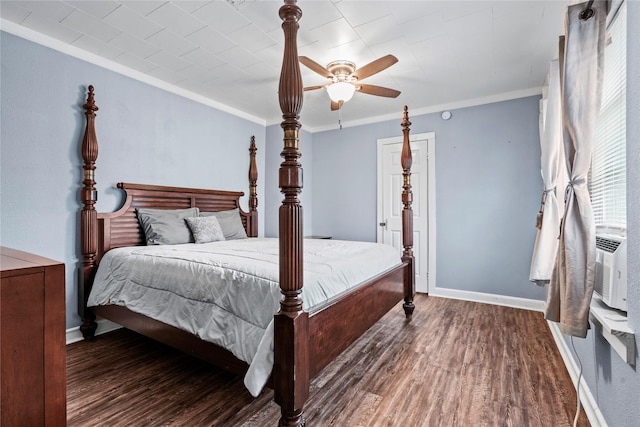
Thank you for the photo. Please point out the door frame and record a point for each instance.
(431, 194)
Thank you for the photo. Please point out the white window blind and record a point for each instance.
(608, 165)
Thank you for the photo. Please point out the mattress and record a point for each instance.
(227, 292)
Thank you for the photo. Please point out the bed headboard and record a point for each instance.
(121, 228)
(103, 231)
(100, 232)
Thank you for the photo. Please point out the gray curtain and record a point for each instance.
(571, 285)
(554, 179)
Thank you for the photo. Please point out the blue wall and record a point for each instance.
(489, 183)
(146, 135)
(487, 191)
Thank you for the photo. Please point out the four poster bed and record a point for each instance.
(301, 337)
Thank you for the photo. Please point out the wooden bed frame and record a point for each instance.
(333, 327)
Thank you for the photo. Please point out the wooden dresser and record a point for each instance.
(32, 340)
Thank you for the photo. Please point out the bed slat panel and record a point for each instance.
(215, 204)
(162, 202)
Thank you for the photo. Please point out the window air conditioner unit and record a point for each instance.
(611, 270)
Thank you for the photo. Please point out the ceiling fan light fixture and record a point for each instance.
(343, 79)
(341, 91)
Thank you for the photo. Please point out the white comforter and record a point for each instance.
(227, 292)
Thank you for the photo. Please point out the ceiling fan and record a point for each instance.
(344, 78)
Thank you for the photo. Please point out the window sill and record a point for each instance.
(614, 327)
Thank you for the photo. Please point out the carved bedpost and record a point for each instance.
(291, 351)
(88, 217)
(253, 188)
(407, 217)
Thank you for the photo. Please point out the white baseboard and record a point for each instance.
(586, 397)
(507, 301)
(104, 326)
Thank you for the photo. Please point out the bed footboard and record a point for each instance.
(293, 358)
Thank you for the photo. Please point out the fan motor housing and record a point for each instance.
(342, 70)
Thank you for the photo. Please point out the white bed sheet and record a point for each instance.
(227, 292)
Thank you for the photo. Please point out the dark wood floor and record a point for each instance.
(457, 363)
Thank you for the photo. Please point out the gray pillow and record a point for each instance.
(205, 229)
(230, 223)
(166, 227)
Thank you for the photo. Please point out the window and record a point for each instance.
(608, 177)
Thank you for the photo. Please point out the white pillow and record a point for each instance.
(205, 229)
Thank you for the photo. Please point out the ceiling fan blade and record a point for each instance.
(314, 87)
(378, 91)
(375, 67)
(314, 66)
(336, 105)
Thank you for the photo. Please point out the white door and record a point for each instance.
(390, 202)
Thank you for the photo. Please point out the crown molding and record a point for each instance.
(55, 44)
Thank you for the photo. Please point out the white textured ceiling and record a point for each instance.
(451, 53)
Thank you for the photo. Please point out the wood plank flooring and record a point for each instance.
(456, 363)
